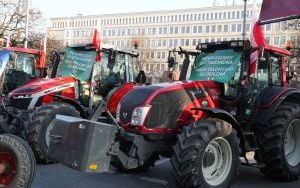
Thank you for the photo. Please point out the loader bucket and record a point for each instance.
(81, 144)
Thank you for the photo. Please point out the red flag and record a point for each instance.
(96, 44)
(257, 38)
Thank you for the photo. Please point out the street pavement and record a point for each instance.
(59, 176)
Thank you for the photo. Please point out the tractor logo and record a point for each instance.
(125, 115)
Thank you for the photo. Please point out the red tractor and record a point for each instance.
(204, 125)
(20, 66)
(76, 86)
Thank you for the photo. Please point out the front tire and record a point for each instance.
(17, 163)
(206, 155)
(279, 142)
(40, 126)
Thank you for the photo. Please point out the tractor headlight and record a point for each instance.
(26, 96)
(139, 115)
(118, 112)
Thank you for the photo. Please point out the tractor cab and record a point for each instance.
(96, 79)
(20, 67)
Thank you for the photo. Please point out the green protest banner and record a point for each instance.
(219, 66)
(78, 64)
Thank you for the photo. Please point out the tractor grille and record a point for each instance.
(133, 99)
(21, 104)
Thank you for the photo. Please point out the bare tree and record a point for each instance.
(13, 19)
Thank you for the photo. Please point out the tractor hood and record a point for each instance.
(167, 101)
(45, 85)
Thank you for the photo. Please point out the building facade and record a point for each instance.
(159, 31)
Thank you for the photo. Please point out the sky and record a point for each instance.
(62, 8)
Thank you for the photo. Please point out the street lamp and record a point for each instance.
(244, 20)
(27, 22)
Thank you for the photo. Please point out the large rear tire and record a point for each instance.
(206, 155)
(17, 163)
(40, 127)
(279, 142)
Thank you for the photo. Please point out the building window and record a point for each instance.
(282, 40)
(163, 55)
(247, 27)
(183, 30)
(216, 16)
(233, 28)
(207, 29)
(171, 43)
(203, 16)
(268, 27)
(268, 40)
(224, 15)
(153, 31)
(229, 15)
(181, 42)
(175, 18)
(158, 55)
(276, 40)
(175, 42)
(187, 42)
(207, 16)
(199, 29)
(195, 29)
(176, 30)
(211, 16)
(293, 39)
(183, 17)
(199, 41)
(188, 28)
(206, 40)
(219, 28)
(194, 42)
(277, 26)
(233, 15)
(239, 27)
(171, 30)
(220, 15)
(238, 14)
(164, 42)
(160, 30)
(213, 28)
(226, 28)
(165, 30)
(152, 56)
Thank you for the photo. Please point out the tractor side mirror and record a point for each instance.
(111, 59)
(171, 62)
(141, 78)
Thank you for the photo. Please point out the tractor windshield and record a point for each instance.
(220, 66)
(77, 63)
(18, 70)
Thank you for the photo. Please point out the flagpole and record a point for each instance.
(26, 26)
(244, 21)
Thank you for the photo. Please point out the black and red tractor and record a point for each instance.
(77, 84)
(225, 110)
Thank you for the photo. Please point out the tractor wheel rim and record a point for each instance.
(292, 143)
(215, 171)
(48, 133)
(8, 168)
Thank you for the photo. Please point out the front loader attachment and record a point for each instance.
(82, 144)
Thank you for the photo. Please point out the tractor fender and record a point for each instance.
(218, 113)
(73, 103)
(226, 116)
(265, 112)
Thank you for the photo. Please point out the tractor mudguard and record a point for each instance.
(265, 109)
(218, 113)
(73, 103)
(224, 115)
